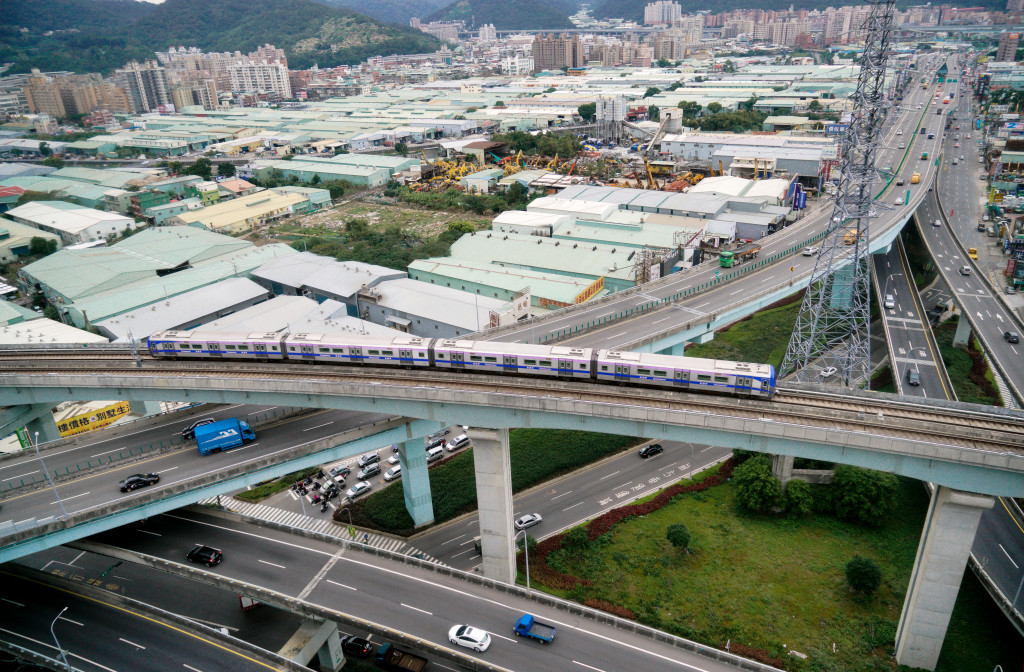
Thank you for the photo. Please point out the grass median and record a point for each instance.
(537, 455)
(264, 490)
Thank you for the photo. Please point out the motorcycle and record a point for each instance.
(323, 507)
(317, 499)
(316, 485)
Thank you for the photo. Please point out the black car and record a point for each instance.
(356, 646)
(138, 481)
(1011, 337)
(913, 377)
(189, 432)
(206, 555)
(651, 450)
(433, 442)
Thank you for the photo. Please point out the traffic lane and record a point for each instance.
(386, 586)
(98, 489)
(96, 635)
(267, 628)
(999, 547)
(95, 445)
(274, 563)
(574, 499)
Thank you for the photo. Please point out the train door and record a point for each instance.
(261, 350)
(511, 365)
(456, 360)
(764, 387)
(621, 371)
(405, 357)
(743, 385)
(213, 349)
(308, 351)
(355, 355)
(682, 378)
(565, 367)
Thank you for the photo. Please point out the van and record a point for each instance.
(435, 454)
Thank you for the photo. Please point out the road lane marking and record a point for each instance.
(132, 643)
(17, 604)
(21, 475)
(155, 534)
(507, 639)
(64, 618)
(71, 497)
(608, 476)
(318, 426)
(51, 646)
(573, 506)
(561, 495)
(1015, 566)
(452, 539)
(273, 565)
(194, 669)
(342, 585)
(589, 667)
(409, 606)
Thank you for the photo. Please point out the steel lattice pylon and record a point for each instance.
(832, 328)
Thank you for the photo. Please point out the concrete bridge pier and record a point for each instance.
(416, 481)
(494, 499)
(145, 408)
(43, 423)
(963, 331)
(942, 553)
(319, 638)
(13, 418)
(782, 467)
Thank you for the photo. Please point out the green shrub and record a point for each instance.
(798, 498)
(757, 489)
(863, 495)
(863, 575)
(679, 536)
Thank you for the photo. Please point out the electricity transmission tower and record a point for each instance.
(830, 341)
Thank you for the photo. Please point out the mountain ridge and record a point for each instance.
(521, 15)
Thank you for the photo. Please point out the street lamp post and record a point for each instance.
(54, 635)
(50, 480)
(526, 551)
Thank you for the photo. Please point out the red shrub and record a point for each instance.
(612, 609)
(752, 653)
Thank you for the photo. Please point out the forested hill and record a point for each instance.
(104, 34)
(389, 11)
(505, 14)
(634, 9)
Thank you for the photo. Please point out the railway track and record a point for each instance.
(956, 425)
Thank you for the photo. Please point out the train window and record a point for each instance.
(389, 353)
(604, 368)
(721, 379)
(644, 372)
(274, 348)
(373, 352)
(440, 355)
(491, 359)
(291, 348)
(545, 362)
(340, 351)
(583, 366)
(324, 349)
(530, 362)
(229, 347)
(474, 358)
(704, 378)
(660, 373)
(242, 347)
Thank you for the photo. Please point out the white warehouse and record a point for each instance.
(73, 223)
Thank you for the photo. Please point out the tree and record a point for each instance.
(316, 179)
(814, 105)
(654, 113)
(40, 246)
(651, 91)
(202, 167)
(44, 149)
(863, 495)
(729, 67)
(756, 488)
(499, 103)
(689, 107)
(587, 111)
(226, 169)
(53, 162)
(173, 167)
(674, 85)
(664, 63)
(679, 536)
(863, 575)
(402, 148)
(714, 108)
(798, 498)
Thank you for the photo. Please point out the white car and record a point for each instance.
(360, 488)
(393, 460)
(529, 520)
(457, 442)
(469, 637)
(890, 302)
(827, 372)
(899, 200)
(899, 132)
(810, 251)
(393, 473)
(937, 223)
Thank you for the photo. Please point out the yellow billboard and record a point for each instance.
(93, 419)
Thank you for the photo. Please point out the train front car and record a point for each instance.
(691, 374)
(542, 361)
(343, 348)
(212, 344)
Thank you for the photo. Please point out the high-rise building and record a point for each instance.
(488, 33)
(1007, 50)
(662, 12)
(145, 84)
(43, 96)
(553, 53)
(260, 75)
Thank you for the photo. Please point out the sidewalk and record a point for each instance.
(323, 525)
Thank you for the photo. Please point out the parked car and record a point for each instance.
(651, 450)
(138, 481)
(360, 488)
(1010, 289)
(913, 377)
(206, 555)
(1011, 337)
(393, 473)
(369, 458)
(356, 646)
(189, 432)
(527, 521)
(458, 442)
(368, 471)
(469, 637)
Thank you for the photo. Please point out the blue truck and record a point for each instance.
(397, 660)
(528, 626)
(222, 435)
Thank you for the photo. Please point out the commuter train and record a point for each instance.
(692, 374)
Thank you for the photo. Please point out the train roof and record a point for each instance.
(652, 359)
(216, 335)
(358, 339)
(516, 348)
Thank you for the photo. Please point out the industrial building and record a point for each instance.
(300, 315)
(72, 223)
(158, 215)
(322, 278)
(305, 171)
(15, 239)
(242, 214)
